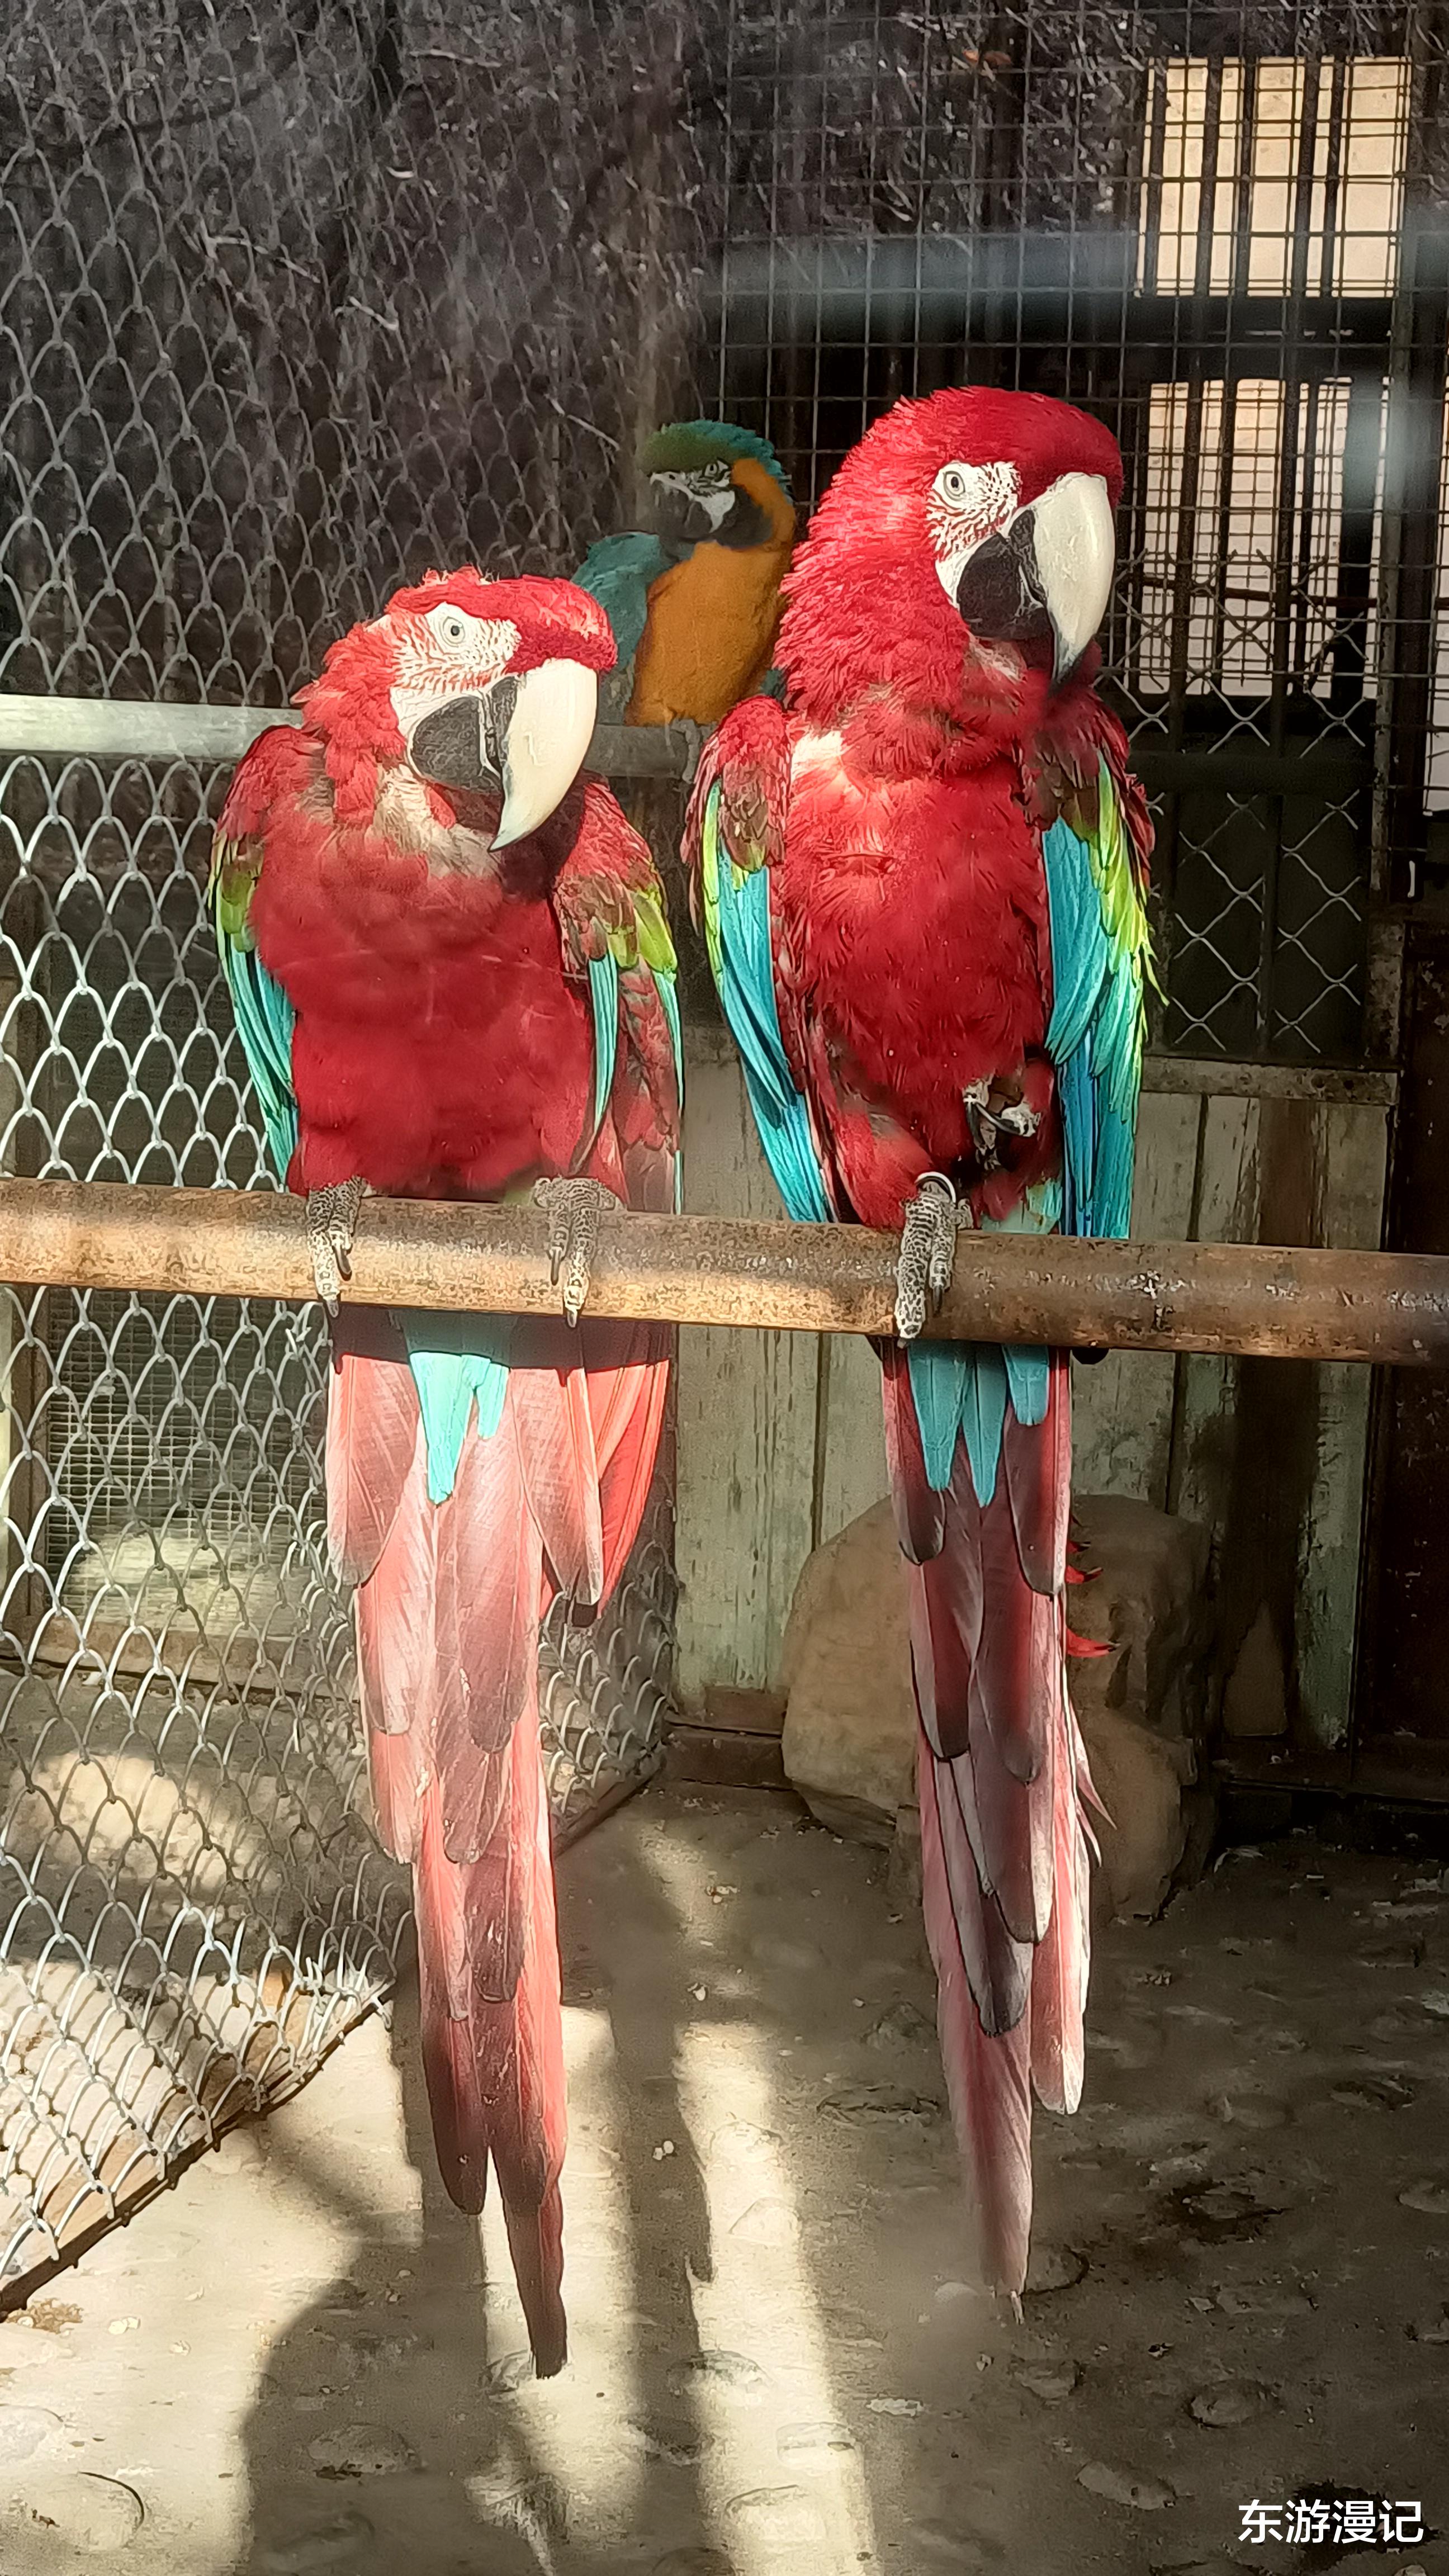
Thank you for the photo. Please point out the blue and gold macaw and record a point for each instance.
(694, 600)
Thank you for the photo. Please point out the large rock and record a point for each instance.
(849, 1740)
(1141, 1778)
(1147, 1600)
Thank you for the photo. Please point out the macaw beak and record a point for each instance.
(694, 513)
(526, 734)
(1049, 572)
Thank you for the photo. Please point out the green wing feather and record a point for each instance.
(618, 934)
(1101, 963)
(264, 1017)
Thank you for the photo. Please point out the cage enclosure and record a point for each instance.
(295, 305)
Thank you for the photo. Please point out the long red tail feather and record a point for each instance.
(448, 1606)
(1002, 1779)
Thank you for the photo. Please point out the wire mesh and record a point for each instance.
(1192, 219)
(293, 304)
(192, 1905)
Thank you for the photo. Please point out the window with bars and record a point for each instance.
(1265, 177)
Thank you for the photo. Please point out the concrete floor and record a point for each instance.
(300, 2359)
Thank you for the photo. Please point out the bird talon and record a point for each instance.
(574, 1208)
(987, 1125)
(927, 1254)
(331, 1223)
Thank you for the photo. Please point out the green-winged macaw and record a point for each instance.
(451, 973)
(922, 880)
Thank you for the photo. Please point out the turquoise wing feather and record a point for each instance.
(264, 1016)
(666, 985)
(1100, 964)
(736, 910)
(618, 572)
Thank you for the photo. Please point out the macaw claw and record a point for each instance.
(989, 1119)
(574, 1208)
(928, 1252)
(331, 1224)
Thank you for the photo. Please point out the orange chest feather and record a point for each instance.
(711, 631)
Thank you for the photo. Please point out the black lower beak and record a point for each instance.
(675, 515)
(461, 744)
(999, 595)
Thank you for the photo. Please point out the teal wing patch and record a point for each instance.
(964, 1387)
(618, 572)
(1100, 963)
(665, 982)
(604, 999)
(736, 909)
(264, 1017)
(457, 1361)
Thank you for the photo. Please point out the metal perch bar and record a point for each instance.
(1271, 1302)
(54, 728)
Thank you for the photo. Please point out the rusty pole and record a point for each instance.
(1280, 1304)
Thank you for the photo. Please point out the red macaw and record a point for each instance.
(452, 978)
(922, 882)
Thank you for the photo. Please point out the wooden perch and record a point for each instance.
(712, 1270)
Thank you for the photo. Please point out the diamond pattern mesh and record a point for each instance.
(192, 1906)
(294, 303)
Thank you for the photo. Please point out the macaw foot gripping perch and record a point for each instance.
(331, 1225)
(928, 1252)
(574, 1208)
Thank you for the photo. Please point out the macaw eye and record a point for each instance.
(455, 632)
(971, 499)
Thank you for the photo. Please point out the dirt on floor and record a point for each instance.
(303, 2359)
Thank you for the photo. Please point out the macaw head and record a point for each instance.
(973, 509)
(708, 481)
(478, 687)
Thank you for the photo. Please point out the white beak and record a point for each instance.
(544, 744)
(1074, 549)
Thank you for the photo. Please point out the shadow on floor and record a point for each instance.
(395, 2427)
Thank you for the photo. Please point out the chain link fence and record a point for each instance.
(294, 303)
(192, 1906)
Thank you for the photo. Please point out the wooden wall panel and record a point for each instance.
(745, 1513)
(780, 1436)
(852, 1437)
(1225, 1210)
(1353, 1169)
(1122, 1408)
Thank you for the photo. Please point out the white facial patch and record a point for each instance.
(966, 504)
(447, 654)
